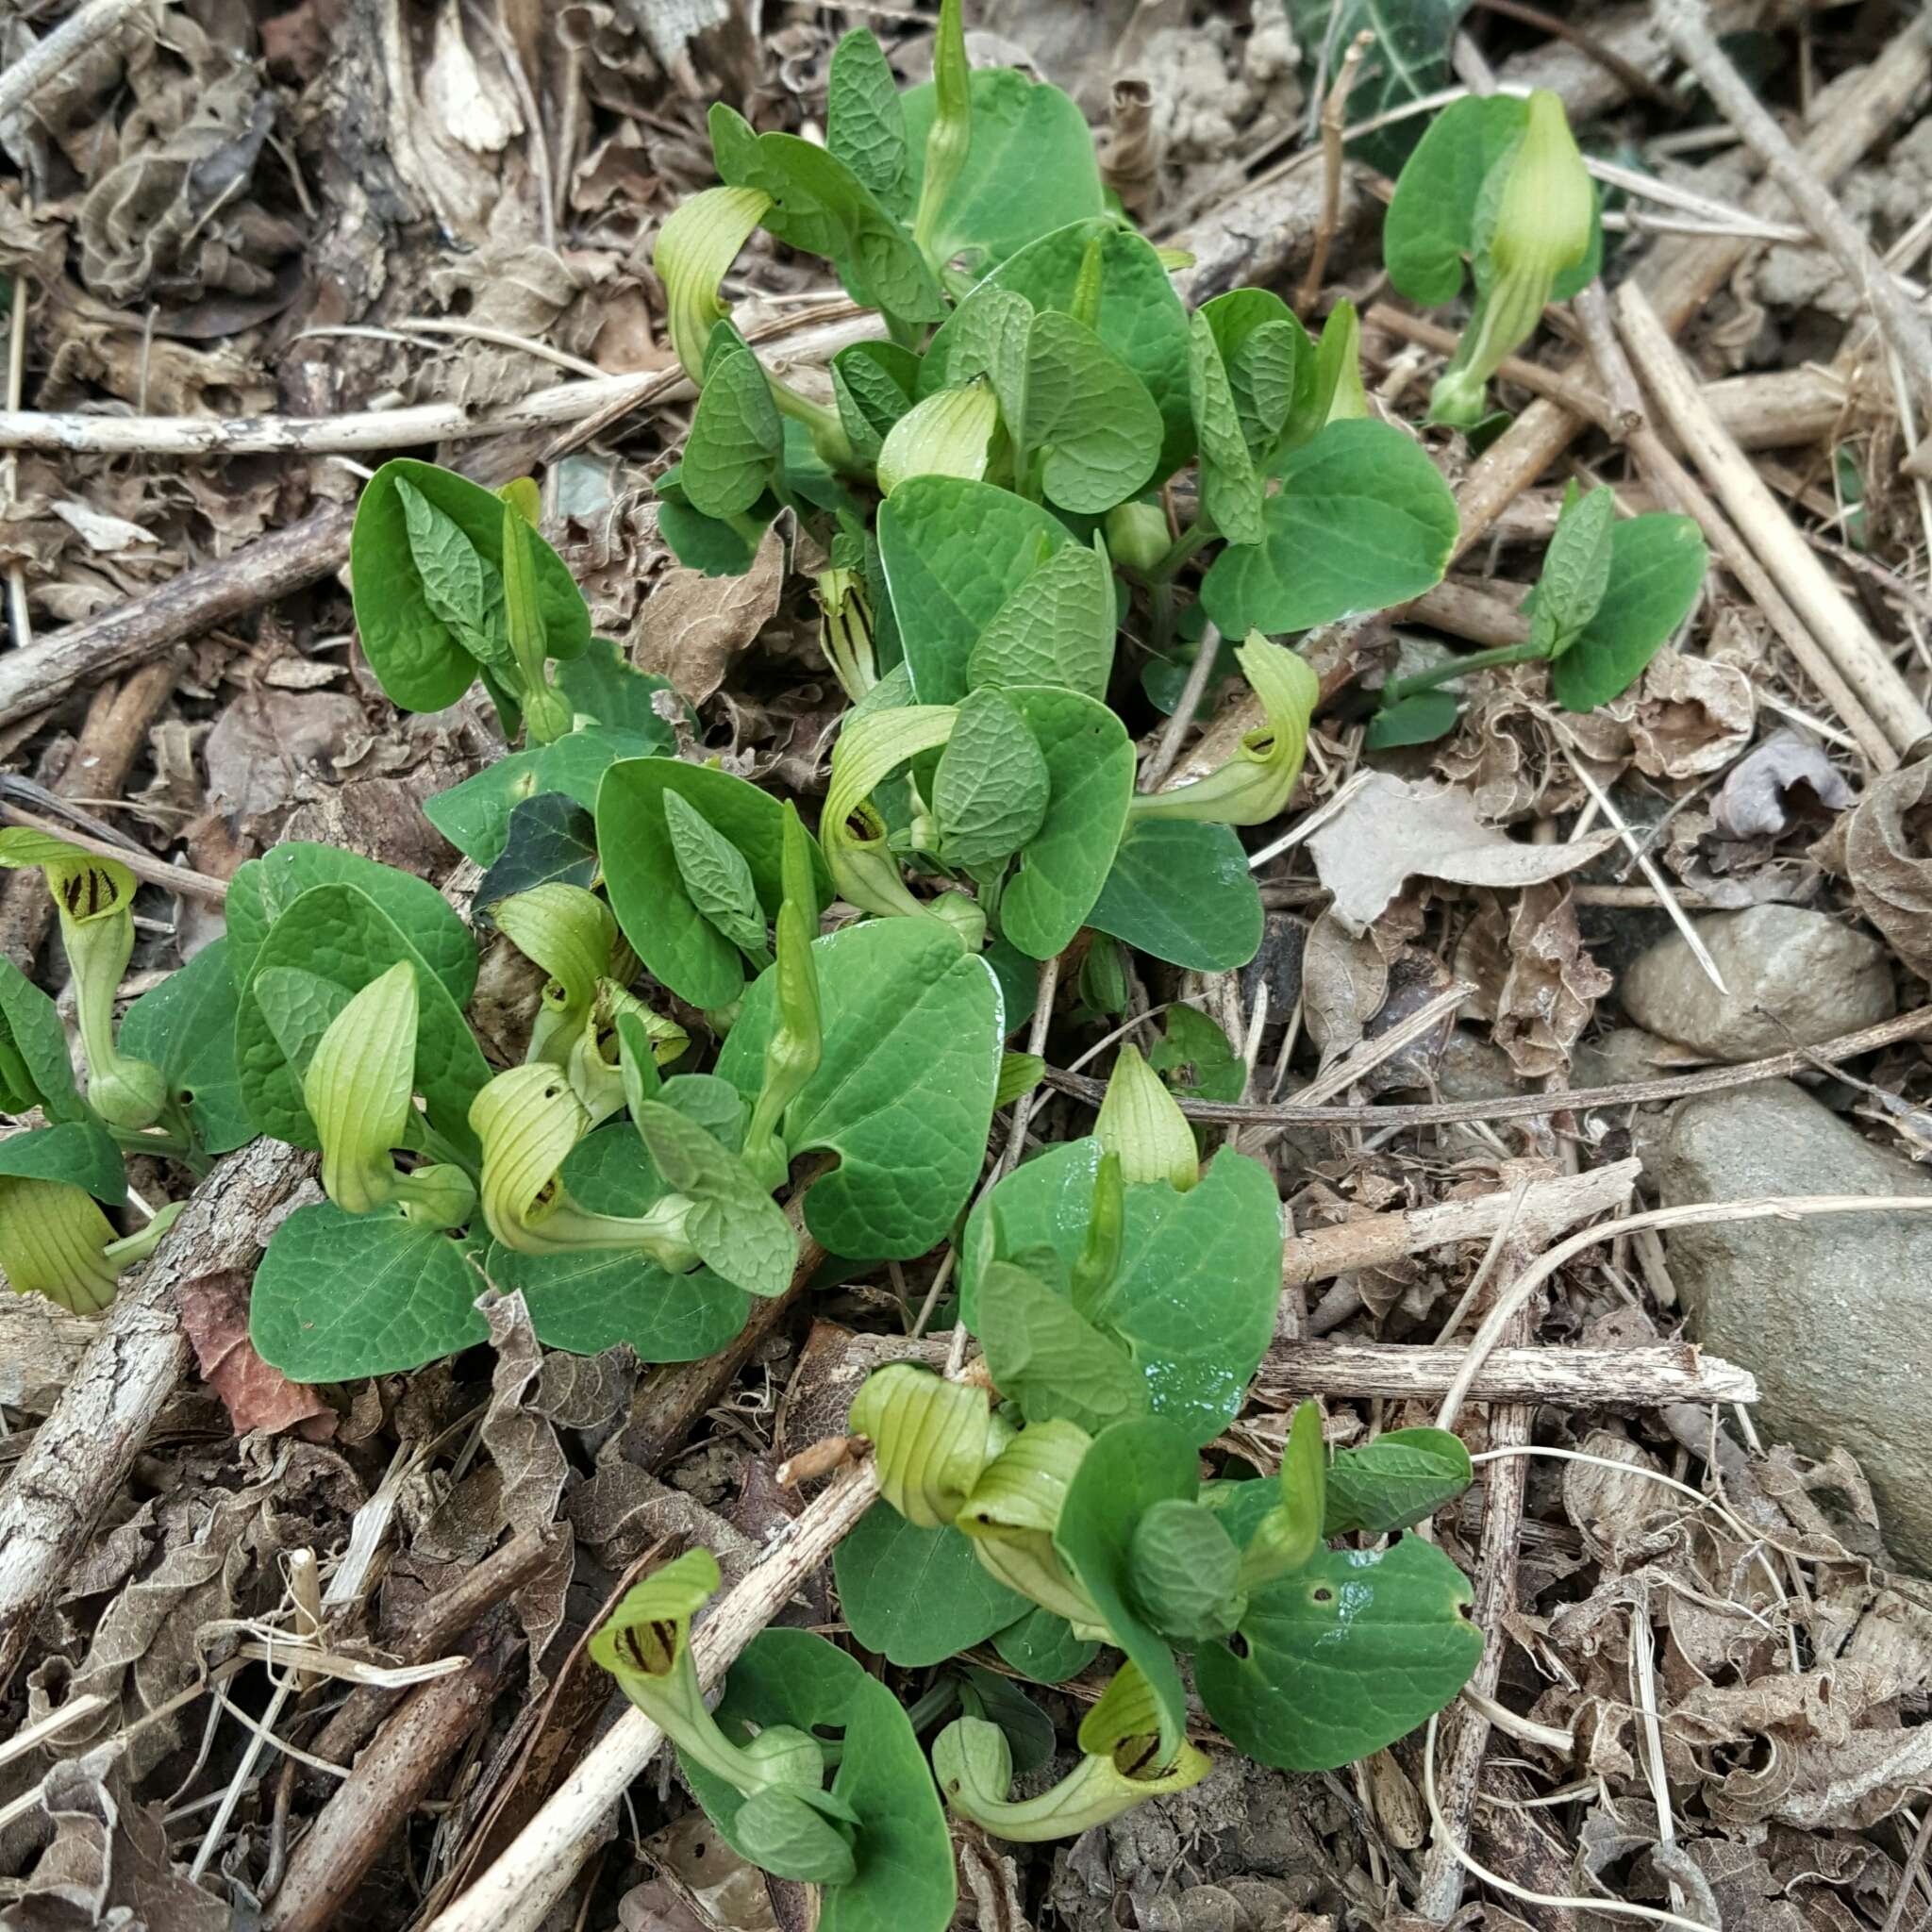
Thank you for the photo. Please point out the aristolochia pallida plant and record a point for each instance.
(1021, 501)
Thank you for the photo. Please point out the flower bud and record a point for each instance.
(1137, 535)
(949, 434)
(1141, 1123)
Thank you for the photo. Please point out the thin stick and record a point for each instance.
(530, 1875)
(1174, 731)
(1363, 1059)
(1762, 520)
(20, 621)
(1687, 27)
(142, 864)
(1515, 1106)
(1574, 756)
(562, 403)
(1687, 1214)
(52, 57)
(1334, 111)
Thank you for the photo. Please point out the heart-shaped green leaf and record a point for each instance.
(339, 937)
(30, 1029)
(1399, 1478)
(1364, 520)
(1090, 764)
(1180, 890)
(340, 1295)
(263, 888)
(1043, 1647)
(1343, 1656)
(917, 1596)
(737, 437)
(647, 891)
(904, 1089)
(1126, 1471)
(954, 551)
(991, 788)
(419, 658)
(1656, 571)
(904, 1878)
(81, 1153)
(1030, 169)
(1055, 627)
(548, 839)
(1199, 1276)
(1140, 318)
(1088, 413)
(865, 124)
(186, 1026)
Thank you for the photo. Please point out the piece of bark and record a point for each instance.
(389, 1780)
(81, 1454)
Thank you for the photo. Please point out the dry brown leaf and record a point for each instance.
(1786, 778)
(108, 1865)
(1537, 984)
(1885, 849)
(1692, 715)
(214, 1313)
(266, 742)
(1344, 981)
(692, 625)
(1392, 830)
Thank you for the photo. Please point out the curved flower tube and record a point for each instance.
(94, 899)
(1256, 782)
(528, 1120)
(572, 935)
(56, 1241)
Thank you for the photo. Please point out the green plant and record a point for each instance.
(1008, 584)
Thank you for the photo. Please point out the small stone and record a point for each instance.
(1796, 977)
(1620, 1058)
(1473, 1068)
(1829, 1312)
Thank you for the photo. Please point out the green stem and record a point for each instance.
(827, 433)
(935, 1705)
(1399, 687)
(1200, 531)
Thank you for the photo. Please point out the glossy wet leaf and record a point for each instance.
(904, 1088)
(589, 1302)
(337, 936)
(1399, 1478)
(991, 788)
(904, 1878)
(1140, 318)
(340, 1295)
(1055, 627)
(548, 839)
(676, 942)
(420, 662)
(1657, 572)
(1180, 890)
(1364, 520)
(1199, 1278)
(1050, 1360)
(1090, 765)
(1342, 1657)
(954, 551)
(1128, 1468)
(1030, 169)
(917, 1596)
(263, 888)
(186, 1026)
(1043, 1647)
(82, 1154)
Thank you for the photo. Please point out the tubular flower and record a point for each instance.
(1256, 784)
(570, 934)
(1011, 1512)
(94, 899)
(56, 1241)
(1538, 224)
